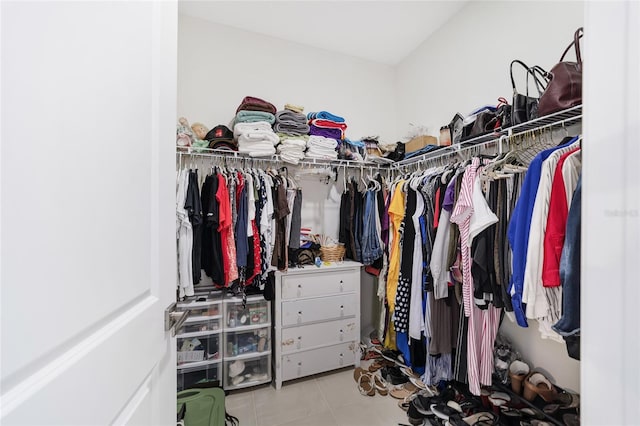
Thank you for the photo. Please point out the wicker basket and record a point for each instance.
(332, 253)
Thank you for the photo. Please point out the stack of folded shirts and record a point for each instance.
(256, 139)
(291, 148)
(321, 147)
(290, 122)
(325, 124)
(255, 109)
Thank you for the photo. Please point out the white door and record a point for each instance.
(88, 222)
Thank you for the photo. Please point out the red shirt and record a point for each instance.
(556, 227)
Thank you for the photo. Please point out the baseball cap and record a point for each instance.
(219, 133)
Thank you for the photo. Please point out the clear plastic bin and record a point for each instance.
(187, 377)
(245, 372)
(196, 325)
(256, 312)
(247, 342)
(198, 347)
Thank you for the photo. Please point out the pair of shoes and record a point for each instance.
(403, 391)
(369, 383)
(393, 375)
(377, 365)
(481, 418)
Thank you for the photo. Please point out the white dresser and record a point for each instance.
(317, 320)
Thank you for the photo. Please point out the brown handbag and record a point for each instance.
(565, 88)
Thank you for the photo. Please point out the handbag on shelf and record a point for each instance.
(524, 107)
(484, 121)
(565, 86)
(503, 113)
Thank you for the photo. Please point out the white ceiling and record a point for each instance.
(379, 31)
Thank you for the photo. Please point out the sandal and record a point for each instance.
(377, 365)
(380, 385)
(365, 382)
(403, 391)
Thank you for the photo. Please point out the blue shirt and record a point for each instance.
(519, 225)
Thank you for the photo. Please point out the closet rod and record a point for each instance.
(235, 156)
(552, 121)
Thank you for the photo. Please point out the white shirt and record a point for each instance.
(416, 319)
(543, 304)
(185, 238)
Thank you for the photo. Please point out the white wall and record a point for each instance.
(219, 65)
(465, 64)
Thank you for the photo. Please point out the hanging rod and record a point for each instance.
(558, 119)
(235, 156)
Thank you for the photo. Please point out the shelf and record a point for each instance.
(191, 305)
(203, 318)
(248, 384)
(248, 355)
(252, 298)
(199, 363)
(247, 327)
(199, 334)
(559, 119)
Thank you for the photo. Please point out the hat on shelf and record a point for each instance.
(236, 368)
(220, 133)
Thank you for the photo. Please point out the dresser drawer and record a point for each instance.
(297, 312)
(319, 284)
(324, 333)
(305, 363)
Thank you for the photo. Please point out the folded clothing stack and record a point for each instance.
(290, 122)
(325, 124)
(256, 139)
(322, 147)
(255, 109)
(249, 103)
(291, 148)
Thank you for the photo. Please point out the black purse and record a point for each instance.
(524, 107)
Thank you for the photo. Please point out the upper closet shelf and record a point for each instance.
(553, 121)
(382, 163)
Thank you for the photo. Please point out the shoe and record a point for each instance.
(393, 375)
(393, 356)
(380, 385)
(537, 384)
(403, 391)
(446, 410)
(365, 382)
(518, 370)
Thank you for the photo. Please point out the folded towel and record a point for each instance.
(250, 103)
(325, 115)
(259, 136)
(257, 149)
(329, 133)
(284, 136)
(322, 141)
(286, 116)
(328, 124)
(291, 156)
(245, 116)
(241, 128)
(294, 108)
(294, 143)
(322, 156)
(291, 129)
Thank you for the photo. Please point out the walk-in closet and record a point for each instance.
(319, 213)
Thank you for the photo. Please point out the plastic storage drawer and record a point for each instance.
(189, 376)
(255, 313)
(241, 343)
(199, 325)
(247, 371)
(197, 347)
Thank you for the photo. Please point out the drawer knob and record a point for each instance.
(341, 359)
(299, 317)
(341, 335)
(299, 290)
(299, 342)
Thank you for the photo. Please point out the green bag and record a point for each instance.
(202, 407)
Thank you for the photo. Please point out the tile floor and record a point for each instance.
(329, 399)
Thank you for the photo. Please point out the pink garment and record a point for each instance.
(483, 324)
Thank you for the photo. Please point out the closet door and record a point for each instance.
(88, 222)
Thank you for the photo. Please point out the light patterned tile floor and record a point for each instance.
(329, 399)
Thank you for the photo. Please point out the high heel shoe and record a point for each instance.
(537, 384)
(518, 370)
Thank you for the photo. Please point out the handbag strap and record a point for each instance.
(576, 42)
(519, 62)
